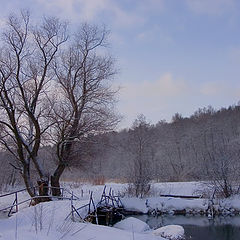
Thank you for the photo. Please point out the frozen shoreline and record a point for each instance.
(179, 206)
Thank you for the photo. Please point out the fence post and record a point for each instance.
(16, 199)
(72, 206)
(89, 207)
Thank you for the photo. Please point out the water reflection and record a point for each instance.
(221, 232)
(200, 227)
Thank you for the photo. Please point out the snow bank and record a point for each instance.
(165, 205)
(230, 203)
(169, 204)
(133, 225)
(179, 188)
(135, 204)
(173, 232)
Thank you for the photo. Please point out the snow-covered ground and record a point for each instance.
(83, 192)
(50, 220)
(173, 232)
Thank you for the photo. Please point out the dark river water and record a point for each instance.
(199, 227)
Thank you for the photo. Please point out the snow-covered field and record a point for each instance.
(50, 220)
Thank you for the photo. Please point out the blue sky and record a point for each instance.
(173, 55)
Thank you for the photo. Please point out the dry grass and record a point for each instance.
(96, 180)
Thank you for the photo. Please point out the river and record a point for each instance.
(199, 227)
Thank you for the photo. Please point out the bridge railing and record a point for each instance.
(65, 195)
(108, 202)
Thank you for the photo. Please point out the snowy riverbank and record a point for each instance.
(49, 220)
(170, 205)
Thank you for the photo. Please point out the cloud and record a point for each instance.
(119, 13)
(155, 33)
(211, 7)
(217, 89)
(123, 17)
(2, 22)
(117, 39)
(74, 9)
(165, 86)
(151, 5)
(151, 98)
(162, 98)
(90, 10)
(211, 88)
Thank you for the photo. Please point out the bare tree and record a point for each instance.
(140, 145)
(26, 56)
(85, 96)
(221, 162)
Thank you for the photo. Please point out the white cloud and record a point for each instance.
(152, 98)
(75, 9)
(217, 89)
(165, 86)
(89, 10)
(155, 33)
(161, 98)
(211, 88)
(117, 38)
(210, 7)
(2, 22)
(123, 17)
(151, 5)
(58, 7)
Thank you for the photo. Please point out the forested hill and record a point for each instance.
(200, 147)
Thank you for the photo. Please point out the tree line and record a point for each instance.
(202, 147)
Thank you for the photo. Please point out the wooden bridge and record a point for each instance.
(107, 211)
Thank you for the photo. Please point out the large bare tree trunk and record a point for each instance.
(55, 179)
(31, 189)
(43, 191)
(27, 181)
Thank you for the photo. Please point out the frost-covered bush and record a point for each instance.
(139, 188)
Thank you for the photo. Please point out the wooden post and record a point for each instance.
(72, 206)
(96, 216)
(16, 200)
(90, 200)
